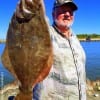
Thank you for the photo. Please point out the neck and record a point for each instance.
(64, 31)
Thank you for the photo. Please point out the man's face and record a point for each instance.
(63, 16)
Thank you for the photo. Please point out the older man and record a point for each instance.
(66, 80)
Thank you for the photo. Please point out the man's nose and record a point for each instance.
(67, 13)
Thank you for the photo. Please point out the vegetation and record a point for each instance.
(2, 40)
(80, 36)
(89, 36)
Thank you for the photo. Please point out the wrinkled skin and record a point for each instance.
(28, 51)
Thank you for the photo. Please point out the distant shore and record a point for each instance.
(80, 39)
(92, 39)
(2, 41)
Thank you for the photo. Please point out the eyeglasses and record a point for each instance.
(64, 10)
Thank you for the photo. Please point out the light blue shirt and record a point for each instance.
(66, 79)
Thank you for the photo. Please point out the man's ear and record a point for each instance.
(72, 18)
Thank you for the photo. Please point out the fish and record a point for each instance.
(28, 51)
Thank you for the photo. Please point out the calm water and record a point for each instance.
(5, 76)
(92, 50)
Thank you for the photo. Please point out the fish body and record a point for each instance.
(28, 46)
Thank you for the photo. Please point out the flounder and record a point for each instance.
(28, 51)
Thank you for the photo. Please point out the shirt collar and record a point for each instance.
(59, 32)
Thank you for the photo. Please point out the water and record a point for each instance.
(5, 75)
(1, 48)
(92, 50)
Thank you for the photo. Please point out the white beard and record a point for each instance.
(68, 25)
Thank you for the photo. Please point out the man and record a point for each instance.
(66, 79)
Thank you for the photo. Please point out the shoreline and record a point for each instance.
(80, 39)
(8, 90)
(93, 92)
(93, 89)
(91, 40)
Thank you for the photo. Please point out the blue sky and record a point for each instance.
(87, 17)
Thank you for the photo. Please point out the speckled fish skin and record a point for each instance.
(29, 46)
